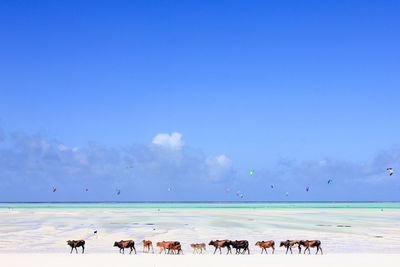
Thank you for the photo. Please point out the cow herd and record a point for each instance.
(240, 246)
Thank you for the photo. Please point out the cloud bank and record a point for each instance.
(168, 170)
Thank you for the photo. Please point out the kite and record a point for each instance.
(251, 172)
(54, 189)
(169, 189)
(129, 167)
(118, 191)
(239, 194)
(307, 188)
(287, 194)
(272, 186)
(390, 171)
(330, 181)
(87, 190)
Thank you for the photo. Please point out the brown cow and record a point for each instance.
(311, 244)
(218, 244)
(198, 247)
(266, 244)
(176, 249)
(289, 244)
(123, 244)
(164, 245)
(76, 243)
(147, 244)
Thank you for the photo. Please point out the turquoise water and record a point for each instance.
(199, 205)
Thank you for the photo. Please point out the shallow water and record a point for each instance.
(342, 227)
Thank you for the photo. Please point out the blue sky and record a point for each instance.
(195, 94)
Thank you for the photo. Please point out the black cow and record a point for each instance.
(76, 243)
(123, 244)
(240, 244)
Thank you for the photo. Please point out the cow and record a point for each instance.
(240, 244)
(266, 244)
(176, 248)
(76, 243)
(289, 244)
(164, 245)
(311, 244)
(198, 247)
(147, 244)
(123, 244)
(218, 244)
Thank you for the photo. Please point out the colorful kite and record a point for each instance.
(307, 188)
(330, 181)
(272, 186)
(287, 194)
(54, 189)
(118, 191)
(251, 172)
(390, 171)
(87, 190)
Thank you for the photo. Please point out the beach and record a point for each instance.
(348, 232)
(67, 260)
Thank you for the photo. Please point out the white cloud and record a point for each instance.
(62, 147)
(218, 166)
(173, 141)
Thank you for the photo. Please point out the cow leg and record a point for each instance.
(291, 252)
(287, 250)
(273, 250)
(152, 249)
(76, 250)
(83, 249)
(72, 248)
(248, 251)
(299, 250)
(320, 250)
(134, 249)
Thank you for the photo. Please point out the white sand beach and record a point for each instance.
(104, 259)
